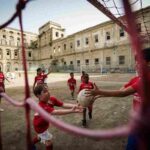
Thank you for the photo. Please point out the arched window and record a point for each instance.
(16, 66)
(8, 67)
(16, 54)
(8, 54)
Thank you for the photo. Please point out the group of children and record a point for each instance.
(48, 102)
(85, 84)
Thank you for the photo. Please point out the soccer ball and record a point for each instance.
(83, 100)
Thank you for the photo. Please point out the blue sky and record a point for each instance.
(73, 15)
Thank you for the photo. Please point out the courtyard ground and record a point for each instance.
(107, 113)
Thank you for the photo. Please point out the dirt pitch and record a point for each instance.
(107, 113)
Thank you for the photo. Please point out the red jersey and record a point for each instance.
(72, 83)
(84, 85)
(136, 96)
(2, 78)
(39, 79)
(40, 124)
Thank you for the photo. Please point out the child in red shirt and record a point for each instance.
(86, 84)
(132, 87)
(2, 85)
(47, 102)
(72, 84)
(40, 78)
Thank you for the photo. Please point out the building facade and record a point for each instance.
(104, 47)
(10, 49)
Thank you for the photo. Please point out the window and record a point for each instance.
(78, 62)
(71, 45)
(29, 54)
(78, 43)
(108, 60)
(11, 32)
(8, 52)
(96, 61)
(107, 35)
(71, 62)
(4, 36)
(96, 38)
(62, 35)
(58, 48)
(16, 53)
(54, 50)
(86, 41)
(121, 60)
(64, 46)
(57, 34)
(121, 32)
(138, 27)
(87, 61)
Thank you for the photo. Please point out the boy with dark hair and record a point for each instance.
(40, 77)
(47, 102)
(132, 87)
(86, 84)
(72, 84)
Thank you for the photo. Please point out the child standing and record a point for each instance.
(40, 78)
(86, 84)
(2, 85)
(48, 102)
(72, 84)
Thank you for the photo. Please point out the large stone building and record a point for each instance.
(105, 46)
(10, 49)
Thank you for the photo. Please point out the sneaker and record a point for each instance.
(90, 115)
(1, 110)
(84, 123)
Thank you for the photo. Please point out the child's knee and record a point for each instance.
(48, 143)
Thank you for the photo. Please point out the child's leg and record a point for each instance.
(72, 94)
(90, 108)
(0, 99)
(84, 117)
(49, 145)
(46, 138)
(35, 140)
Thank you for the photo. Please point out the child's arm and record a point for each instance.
(66, 111)
(34, 84)
(112, 93)
(69, 105)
